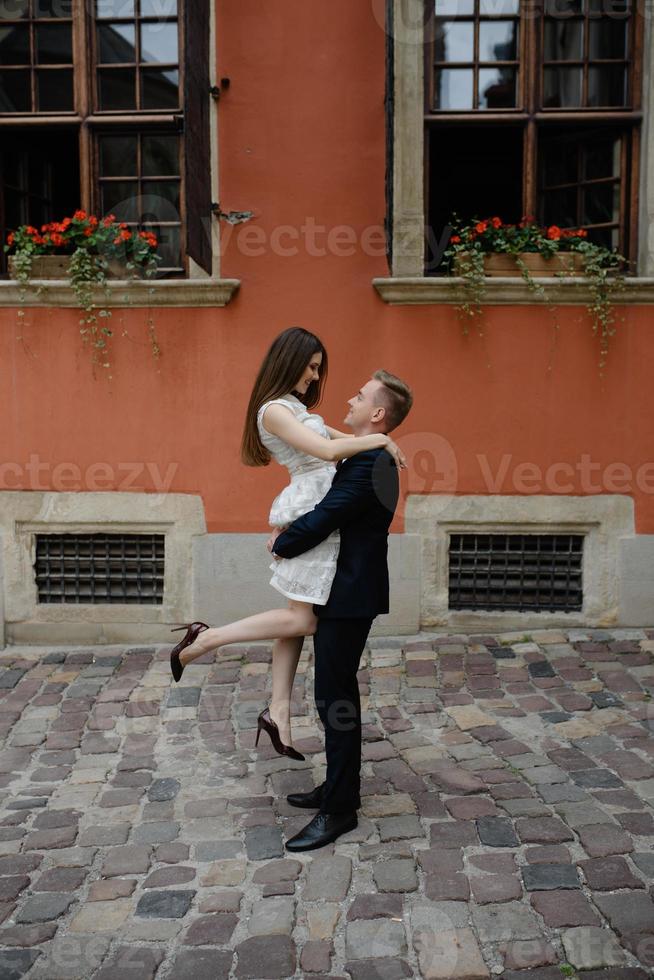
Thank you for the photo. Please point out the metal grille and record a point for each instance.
(539, 572)
(100, 568)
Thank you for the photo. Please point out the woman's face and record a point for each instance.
(310, 373)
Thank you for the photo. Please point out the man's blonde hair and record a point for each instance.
(396, 397)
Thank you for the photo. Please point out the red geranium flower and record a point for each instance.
(554, 232)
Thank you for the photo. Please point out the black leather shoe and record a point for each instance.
(307, 801)
(323, 829)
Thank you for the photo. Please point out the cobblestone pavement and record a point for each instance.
(506, 823)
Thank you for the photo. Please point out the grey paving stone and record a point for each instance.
(45, 907)
(214, 929)
(555, 717)
(156, 832)
(494, 888)
(131, 963)
(210, 850)
(28, 803)
(396, 876)
(104, 835)
(509, 921)
(71, 958)
(41, 840)
(74, 857)
(588, 947)
(543, 830)
(28, 935)
(11, 886)
(201, 964)
(525, 807)
(10, 677)
(110, 888)
(266, 958)
(375, 939)
(163, 789)
(378, 969)
(496, 832)
(263, 842)
(373, 906)
(597, 778)
(605, 699)
(130, 859)
(547, 877)
(541, 668)
(285, 870)
(172, 853)
(562, 793)
(183, 697)
(545, 774)
(629, 912)
(271, 918)
(609, 874)
(328, 879)
(15, 963)
(165, 904)
(453, 834)
(175, 874)
(599, 840)
(644, 861)
(564, 908)
(59, 880)
(18, 864)
(399, 828)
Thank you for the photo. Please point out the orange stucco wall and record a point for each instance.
(302, 145)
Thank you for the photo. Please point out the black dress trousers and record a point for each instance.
(338, 645)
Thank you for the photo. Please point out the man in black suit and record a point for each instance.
(361, 504)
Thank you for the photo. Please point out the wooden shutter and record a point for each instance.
(197, 137)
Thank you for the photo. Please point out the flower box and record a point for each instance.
(57, 267)
(504, 264)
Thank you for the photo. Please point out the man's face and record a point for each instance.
(363, 411)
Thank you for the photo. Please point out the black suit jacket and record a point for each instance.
(360, 503)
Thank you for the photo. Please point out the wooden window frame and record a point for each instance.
(530, 114)
(196, 207)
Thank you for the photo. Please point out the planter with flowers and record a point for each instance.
(87, 251)
(479, 249)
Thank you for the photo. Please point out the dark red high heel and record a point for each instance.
(192, 632)
(269, 725)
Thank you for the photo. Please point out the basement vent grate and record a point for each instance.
(529, 572)
(100, 568)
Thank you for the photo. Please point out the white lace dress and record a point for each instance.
(307, 578)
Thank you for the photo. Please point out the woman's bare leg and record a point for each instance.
(276, 624)
(285, 657)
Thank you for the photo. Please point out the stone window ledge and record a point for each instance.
(501, 290)
(123, 292)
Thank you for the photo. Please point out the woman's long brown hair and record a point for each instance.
(282, 368)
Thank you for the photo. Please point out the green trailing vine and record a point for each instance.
(85, 273)
(601, 273)
(94, 247)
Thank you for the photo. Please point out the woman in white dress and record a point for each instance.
(280, 426)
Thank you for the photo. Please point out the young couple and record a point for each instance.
(329, 545)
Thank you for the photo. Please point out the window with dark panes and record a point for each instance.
(533, 110)
(104, 106)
